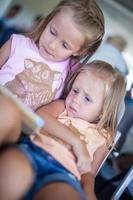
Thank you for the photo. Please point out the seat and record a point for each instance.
(125, 183)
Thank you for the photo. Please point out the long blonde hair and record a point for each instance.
(115, 89)
(87, 15)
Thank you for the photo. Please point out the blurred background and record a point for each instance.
(118, 22)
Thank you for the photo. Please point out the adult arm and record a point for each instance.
(5, 52)
(55, 128)
(88, 179)
(88, 184)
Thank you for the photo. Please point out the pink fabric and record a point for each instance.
(62, 152)
(28, 74)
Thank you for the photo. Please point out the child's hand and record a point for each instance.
(83, 158)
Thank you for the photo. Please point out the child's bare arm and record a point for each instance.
(54, 127)
(98, 157)
(5, 52)
(54, 108)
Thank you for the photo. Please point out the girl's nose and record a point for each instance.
(77, 99)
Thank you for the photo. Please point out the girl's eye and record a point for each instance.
(52, 31)
(75, 91)
(65, 45)
(87, 99)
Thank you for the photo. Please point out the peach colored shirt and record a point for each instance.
(62, 152)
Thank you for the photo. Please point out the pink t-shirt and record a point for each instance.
(27, 74)
(62, 152)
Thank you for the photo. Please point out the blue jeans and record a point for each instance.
(46, 169)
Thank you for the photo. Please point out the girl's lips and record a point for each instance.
(48, 52)
(72, 109)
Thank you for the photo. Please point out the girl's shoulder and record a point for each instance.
(20, 42)
(19, 38)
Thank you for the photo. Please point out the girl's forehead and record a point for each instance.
(67, 29)
(66, 16)
(64, 13)
(90, 84)
(88, 76)
(82, 76)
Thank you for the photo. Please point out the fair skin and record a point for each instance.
(21, 166)
(85, 99)
(11, 110)
(56, 44)
(63, 42)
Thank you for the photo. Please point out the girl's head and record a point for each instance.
(95, 93)
(73, 29)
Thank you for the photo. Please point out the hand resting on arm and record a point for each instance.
(55, 128)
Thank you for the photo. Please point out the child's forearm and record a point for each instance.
(55, 128)
(61, 131)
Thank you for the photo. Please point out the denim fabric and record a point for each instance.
(46, 169)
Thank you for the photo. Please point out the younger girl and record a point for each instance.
(35, 67)
(94, 95)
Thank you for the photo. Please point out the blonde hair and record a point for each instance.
(87, 15)
(115, 89)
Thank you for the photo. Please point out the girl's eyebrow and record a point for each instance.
(53, 28)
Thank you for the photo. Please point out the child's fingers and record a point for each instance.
(43, 139)
(83, 166)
